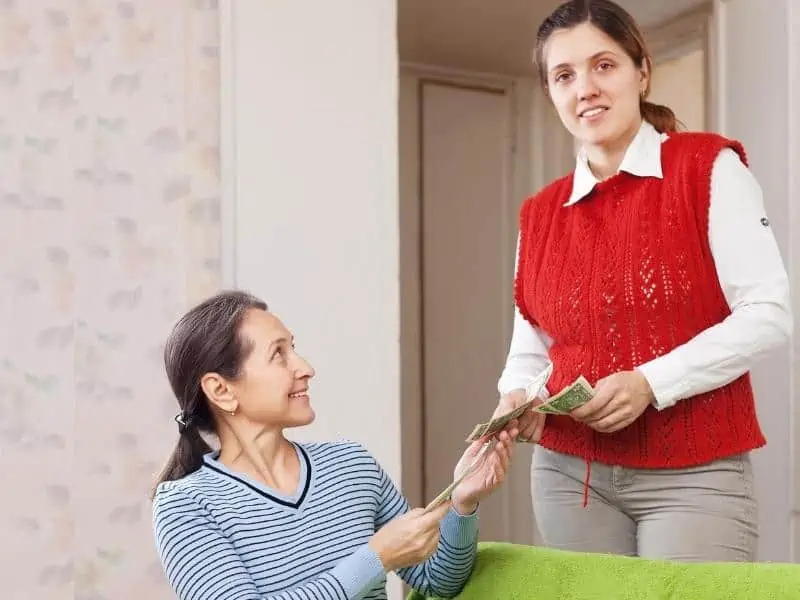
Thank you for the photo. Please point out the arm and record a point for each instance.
(447, 570)
(754, 283)
(202, 564)
(527, 355)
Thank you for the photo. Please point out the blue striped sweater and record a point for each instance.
(224, 536)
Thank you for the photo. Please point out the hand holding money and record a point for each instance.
(516, 405)
(617, 402)
(487, 475)
(575, 395)
(531, 423)
(475, 462)
(410, 538)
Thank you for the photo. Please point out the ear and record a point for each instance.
(644, 75)
(219, 392)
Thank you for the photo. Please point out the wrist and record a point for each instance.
(383, 554)
(465, 508)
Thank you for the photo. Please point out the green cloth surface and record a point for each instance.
(509, 572)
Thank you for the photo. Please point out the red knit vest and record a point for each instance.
(622, 277)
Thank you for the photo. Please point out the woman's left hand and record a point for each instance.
(489, 474)
(619, 400)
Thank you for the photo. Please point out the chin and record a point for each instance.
(302, 418)
(596, 136)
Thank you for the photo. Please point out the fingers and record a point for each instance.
(592, 410)
(618, 419)
(473, 449)
(536, 422)
(510, 433)
(432, 518)
(538, 430)
(505, 451)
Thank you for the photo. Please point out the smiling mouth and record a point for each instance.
(299, 395)
(592, 112)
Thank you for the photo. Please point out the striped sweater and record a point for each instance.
(224, 536)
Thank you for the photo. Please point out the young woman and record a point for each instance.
(266, 518)
(651, 270)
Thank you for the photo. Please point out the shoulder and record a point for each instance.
(554, 193)
(180, 498)
(701, 147)
(338, 453)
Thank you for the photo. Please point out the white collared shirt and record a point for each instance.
(750, 271)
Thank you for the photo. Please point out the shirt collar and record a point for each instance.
(642, 158)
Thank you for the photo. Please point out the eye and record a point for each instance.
(562, 77)
(278, 354)
(605, 65)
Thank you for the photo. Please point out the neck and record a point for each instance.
(604, 159)
(264, 454)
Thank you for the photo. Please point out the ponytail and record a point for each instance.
(659, 116)
(204, 340)
(186, 458)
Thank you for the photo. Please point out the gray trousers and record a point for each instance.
(697, 514)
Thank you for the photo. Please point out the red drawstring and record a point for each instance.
(586, 483)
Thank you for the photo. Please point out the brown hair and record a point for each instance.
(205, 340)
(619, 25)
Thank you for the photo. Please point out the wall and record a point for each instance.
(311, 198)
(109, 227)
(758, 93)
(671, 80)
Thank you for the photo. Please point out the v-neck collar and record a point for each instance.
(295, 500)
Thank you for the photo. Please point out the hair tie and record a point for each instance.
(184, 422)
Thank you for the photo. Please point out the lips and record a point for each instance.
(299, 395)
(592, 112)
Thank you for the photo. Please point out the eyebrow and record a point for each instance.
(594, 56)
(280, 340)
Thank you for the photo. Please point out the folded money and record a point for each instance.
(578, 393)
(498, 423)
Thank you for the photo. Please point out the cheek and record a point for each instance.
(565, 108)
(564, 105)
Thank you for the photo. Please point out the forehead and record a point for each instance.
(263, 327)
(577, 45)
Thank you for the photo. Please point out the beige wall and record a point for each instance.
(109, 226)
(680, 84)
(311, 205)
(758, 95)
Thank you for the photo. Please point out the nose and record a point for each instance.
(303, 368)
(587, 87)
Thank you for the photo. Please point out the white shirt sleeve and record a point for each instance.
(527, 354)
(755, 285)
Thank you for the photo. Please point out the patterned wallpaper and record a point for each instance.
(109, 228)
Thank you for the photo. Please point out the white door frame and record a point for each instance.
(693, 30)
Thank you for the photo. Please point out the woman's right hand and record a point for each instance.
(531, 423)
(410, 538)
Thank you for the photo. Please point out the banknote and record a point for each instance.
(498, 423)
(578, 393)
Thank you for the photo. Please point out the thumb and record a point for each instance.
(432, 518)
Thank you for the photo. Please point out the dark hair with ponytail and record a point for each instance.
(619, 25)
(205, 340)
